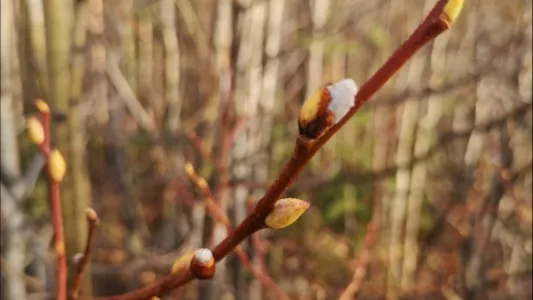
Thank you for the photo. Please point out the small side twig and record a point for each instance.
(364, 255)
(93, 221)
(219, 216)
(39, 132)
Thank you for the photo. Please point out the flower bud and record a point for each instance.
(35, 130)
(42, 107)
(451, 11)
(189, 169)
(56, 165)
(91, 215)
(181, 262)
(203, 264)
(326, 107)
(285, 212)
(76, 259)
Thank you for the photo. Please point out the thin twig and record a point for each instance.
(93, 222)
(218, 215)
(55, 205)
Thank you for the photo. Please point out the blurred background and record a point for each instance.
(424, 194)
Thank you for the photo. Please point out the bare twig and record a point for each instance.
(93, 221)
(218, 215)
(55, 172)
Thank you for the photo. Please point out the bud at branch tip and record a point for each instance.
(42, 107)
(451, 11)
(91, 215)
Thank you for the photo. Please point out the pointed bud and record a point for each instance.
(451, 11)
(202, 184)
(285, 212)
(42, 107)
(326, 107)
(203, 264)
(182, 262)
(56, 165)
(35, 130)
(92, 216)
(77, 258)
(189, 169)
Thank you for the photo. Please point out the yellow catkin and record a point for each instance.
(57, 165)
(286, 211)
(42, 106)
(35, 130)
(452, 9)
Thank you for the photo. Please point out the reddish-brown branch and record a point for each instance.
(59, 242)
(55, 205)
(92, 220)
(256, 241)
(305, 149)
(218, 215)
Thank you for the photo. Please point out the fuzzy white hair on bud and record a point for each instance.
(342, 97)
(76, 258)
(203, 256)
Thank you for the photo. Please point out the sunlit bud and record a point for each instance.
(342, 98)
(91, 215)
(35, 130)
(182, 262)
(285, 212)
(77, 258)
(452, 9)
(326, 107)
(42, 107)
(203, 264)
(57, 165)
(189, 169)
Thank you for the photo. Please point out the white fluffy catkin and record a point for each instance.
(342, 97)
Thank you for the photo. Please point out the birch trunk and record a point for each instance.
(426, 128)
(14, 249)
(406, 136)
(171, 64)
(267, 98)
(222, 40)
(70, 138)
(96, 27)
(248, 93)
(315, 63)
(76, 121)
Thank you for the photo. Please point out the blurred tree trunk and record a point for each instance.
(68, 136)
(13, 242)
(265, 107)
(98, 53)
(406, 137)
(248, 93)
(315, 62)
(426, 129)
(125, 26)
(37, 43)
(223, 39)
